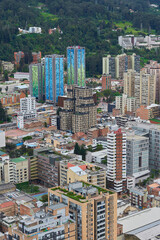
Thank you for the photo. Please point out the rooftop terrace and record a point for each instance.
(81, 191)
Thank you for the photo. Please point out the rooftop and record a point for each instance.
(57, 206)
(2, 153)
(80, 191)
(17, 160)
(140, 219)
(7, 204)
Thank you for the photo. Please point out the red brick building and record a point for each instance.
(154, 189)
(12, 99)
(106, 82)
(8, 208)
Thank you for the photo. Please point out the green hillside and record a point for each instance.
(95, 24)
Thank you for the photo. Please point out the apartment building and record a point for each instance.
(138, 196)
(54, 77)
(145, 89)
(28, 107)
(129, 83)
(153, 68)
(141, 85)
(48, 166)
(37, 81)
(118, 65)
(76, 170)
(96, 157)
(11, 99)
(53, 224)
(148, 112)
(4, 172)
(106, 82)
(76, 65)
(2, 139)
(79, 113)
(33, 168)
(137, 154)
(18, 168)
(116, 160)
(125, 104)
(154, 189)
(93, 209)
(153, 131)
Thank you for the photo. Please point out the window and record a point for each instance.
(140, 161)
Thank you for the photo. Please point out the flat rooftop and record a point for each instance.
(18, 160)
(135, 137)
(80, 190)
(57, 206)
(140, 219)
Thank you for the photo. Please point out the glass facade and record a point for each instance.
(76, 65)
(54, 77)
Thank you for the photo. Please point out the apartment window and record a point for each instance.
(140, 161)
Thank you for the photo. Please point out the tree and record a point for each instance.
(104, 161)
(44, 198)
(6, 75)
(77, 149)
(3, 114)
(83, 152)
(27, 138)
(6, 88)
(99, 147)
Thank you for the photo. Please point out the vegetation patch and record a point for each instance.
(27, 187)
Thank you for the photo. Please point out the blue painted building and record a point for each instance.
(54, 77)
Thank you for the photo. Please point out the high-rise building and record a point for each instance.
(141, 85)
(79, 111)
(93, 209)
(153, 68)
(129, 83)
(47, 166)
(76, 65)
(37, 81)
(2, 139)
(125, 104)
(153, 131)
(109, 66)
(54, 77)
(106, 82)
(137, 154)
(121, 65)
(118, 65)
(116, 160)
(28, 107)
(145, 91)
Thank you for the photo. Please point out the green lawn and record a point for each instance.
(128, 28)
(49, 16)
(28, 188)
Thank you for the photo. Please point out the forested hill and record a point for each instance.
(94, 24)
